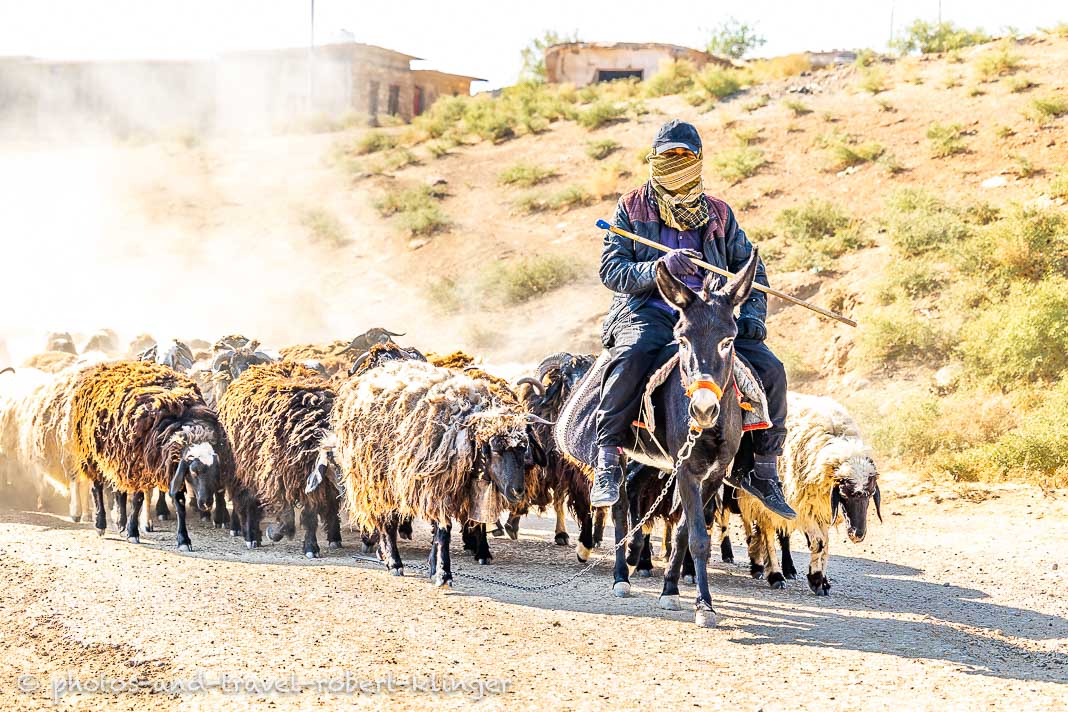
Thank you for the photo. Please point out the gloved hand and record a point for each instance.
(679, 263)
(752, 328)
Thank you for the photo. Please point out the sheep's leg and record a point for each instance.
(669, 539)
(76, 489)
(235, 520)
(132, 534)
(467, 535)
(404, 529)
(162, 513)
(432, 558)
(645, 557)
(621, 574)
(120, 511)
(560, 536)
(309, 519)
(817, 569)
(755, 545)
(98, 499)
(511, 525)
(387, 542)
(219, 516)
(253, 513)
(689, 568)
(788, 569)
(369, 541)
(148, 522)
(769, 539)
(184, 544)
(723, 522)
(669, 595)
(332, 521)
(286, 526)
(482, 550)
(600, 516)
(441, 565)
(585, 545)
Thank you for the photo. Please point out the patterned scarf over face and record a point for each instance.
(679, 190)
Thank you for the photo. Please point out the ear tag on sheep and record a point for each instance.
(877, 497)
(315, 479)
(836, 499)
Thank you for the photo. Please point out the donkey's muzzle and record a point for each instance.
(704, 408)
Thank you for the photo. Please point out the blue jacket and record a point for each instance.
(628, 268)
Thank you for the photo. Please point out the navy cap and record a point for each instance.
(677, 134)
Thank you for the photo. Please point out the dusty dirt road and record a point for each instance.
(956, 602)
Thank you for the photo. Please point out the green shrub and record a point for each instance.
(737, 164)
(1004, 132)
(374, 141)
(719, 82)
(1028, 244)
(525, 175)
(1018, 85)
(599, 114)
(600, 150)
(873, 81)
(572, 196)
(929, 38)
(866, 58)
(1050, 107)
(797, 107)
(1021, 339)
(416, 209)
(844, 155)
(817, 232)
(324, 226)
(890, 164)
(946, 139)
(758, 102)
(896, 333)
(517, 281)
(1058, 187)
(885, 105)
(909, 279)
(997, 63)
(445, 295)
(918, 222)
(911, 431)
(673, 77)
(747, 135)
(393, 160)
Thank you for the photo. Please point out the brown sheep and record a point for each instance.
(138, 426)
(277, 417)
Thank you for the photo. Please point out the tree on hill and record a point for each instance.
(534, 54)
(734, 39)
(930, 38)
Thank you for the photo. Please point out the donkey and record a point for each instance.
(698, 398)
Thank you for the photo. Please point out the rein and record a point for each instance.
(705, 384)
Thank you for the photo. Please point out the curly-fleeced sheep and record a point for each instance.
(825, 465)
(137, 426)
(19, 392)
(50, 361)
(277, 418)
(415, 440)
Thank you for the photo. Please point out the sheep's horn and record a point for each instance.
(877, 497)
(7, 369)
(225, 356)
(391, 333)
(555, 361)
(536, 419)
(359, 362)
(534, 383)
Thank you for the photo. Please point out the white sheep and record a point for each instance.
(825, 465)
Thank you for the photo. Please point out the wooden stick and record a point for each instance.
(712, 268)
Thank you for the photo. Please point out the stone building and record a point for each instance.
(582, 63)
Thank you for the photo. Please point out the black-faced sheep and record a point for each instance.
(415, 440)
(825, 466)
(277, 418)
(138, 426)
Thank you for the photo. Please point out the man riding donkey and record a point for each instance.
(673, 210)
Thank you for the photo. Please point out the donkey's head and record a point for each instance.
(705, 333)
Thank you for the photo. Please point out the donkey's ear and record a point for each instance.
(673, 290)
(737, 290)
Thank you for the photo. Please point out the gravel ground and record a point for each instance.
(955, 602)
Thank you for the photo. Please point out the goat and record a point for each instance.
(415, 440)
(138, 426)
(825, 465)
(277, 417)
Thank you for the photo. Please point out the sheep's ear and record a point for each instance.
(877, 498)
(537, 452)
(315, 479)
(178, 481)
(673, 290)
(836, 499)
(737, 290)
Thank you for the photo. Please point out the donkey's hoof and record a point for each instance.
(621, 589)
(185, 547)
(669, 603)
(561, 539)
(483, 562)
(441, 581)
(133, 539)
(705, 618)
(688, 580)
(333, 545)
(397, 572)
(310, 555)
(645, 573)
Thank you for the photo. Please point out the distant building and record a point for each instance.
(582, 63)
(819, 60)
(256, 89)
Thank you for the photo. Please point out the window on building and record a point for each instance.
(393, 107)
(372, 99)
(418, 101)
(608, 75)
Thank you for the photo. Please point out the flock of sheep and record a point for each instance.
(369, 432)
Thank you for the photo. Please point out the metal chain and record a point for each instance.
(684, 454)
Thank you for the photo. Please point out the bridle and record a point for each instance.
(708, 384)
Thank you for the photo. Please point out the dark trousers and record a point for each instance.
(633, 345)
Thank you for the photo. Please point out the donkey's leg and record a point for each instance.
(698, 543)
(669, 596)
(621, 574)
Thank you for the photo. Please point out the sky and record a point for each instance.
(479, 38)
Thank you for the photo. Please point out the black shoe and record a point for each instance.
(605, 490)
(763, 483)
